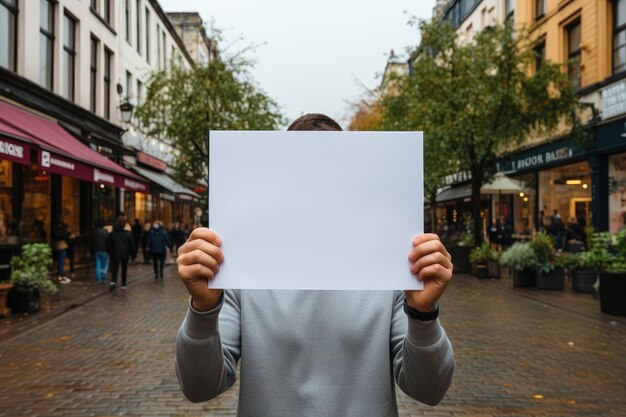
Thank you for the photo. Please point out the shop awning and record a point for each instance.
(165, 182)
(455, 192)
(501, 184)
(63, 154)
(14, 145)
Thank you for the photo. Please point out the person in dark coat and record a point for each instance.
(60, 237)
(121, 246)
(158, 240)
(137, 231)
(100, 237)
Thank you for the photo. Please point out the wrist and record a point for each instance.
(419, 314)
(207, 304)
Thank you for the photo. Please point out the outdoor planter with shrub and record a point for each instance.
(584, 266)
(29, 277)
(613, 280)
(549, 265)
(480, 258)
(521, 259)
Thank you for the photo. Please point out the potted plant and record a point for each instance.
(29, 276)
(461, 247)
(520, 257)
(549, 265)
(480, 258)
(613, 280)
(584, 266)
(494, 264)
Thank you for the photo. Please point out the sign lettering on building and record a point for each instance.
(11, 149)
(614, 100)
(99, 176)
(151, 161)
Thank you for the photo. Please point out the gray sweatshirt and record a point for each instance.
(313, 353)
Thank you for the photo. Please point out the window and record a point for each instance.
(619, 36)
(108, 57)
(158, 30)
(573, 52)
(139, 92)
(138, 15)
(46, 43)
(94, 6)
(540, 55)
(147, 35)
(129, 84)
(107, 11)
(164, 53)
(8, 34)
(127, 21)
(540, 9)
(69, 57)
(510, 10)
(93, 78)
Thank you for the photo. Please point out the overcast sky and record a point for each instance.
(311, 53)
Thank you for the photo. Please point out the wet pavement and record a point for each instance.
(519, 353)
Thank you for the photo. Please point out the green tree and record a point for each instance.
(183, 104)
(477, 100)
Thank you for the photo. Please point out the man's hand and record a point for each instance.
(431, 263)
(198, 262)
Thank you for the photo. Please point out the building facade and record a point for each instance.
(581, 181)
(64, 72)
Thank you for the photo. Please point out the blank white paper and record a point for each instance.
(316, 210)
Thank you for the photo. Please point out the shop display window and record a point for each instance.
(8, 226)
(617, 192)
(104, 204)
(144, 208)
(36, 205)
(524, 207)
(565, 202)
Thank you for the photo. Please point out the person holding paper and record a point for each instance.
(313, 353)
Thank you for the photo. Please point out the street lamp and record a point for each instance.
(127, 111)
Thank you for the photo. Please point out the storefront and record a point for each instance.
(47, 175)
(581, 186)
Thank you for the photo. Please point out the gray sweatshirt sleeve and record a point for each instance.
(423, 360)
(207, 350)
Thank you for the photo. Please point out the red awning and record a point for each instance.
(63, 154)
(13, 146)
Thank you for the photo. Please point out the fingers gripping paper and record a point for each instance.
(316, 210)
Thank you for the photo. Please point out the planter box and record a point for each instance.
(583, 280)
(480, 270)
(613, 293)
(525, 278)
(553, 280)
(494, 269)
(5, 289)
(24, 302)
(460, 258)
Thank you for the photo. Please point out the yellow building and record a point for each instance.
(581, 184)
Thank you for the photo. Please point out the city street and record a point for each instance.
(515, 357)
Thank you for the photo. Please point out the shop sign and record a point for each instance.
(151, 161)
(167, 196)
(99, 176)
(135, 185)
(185, 197)
(536, 160)
(14, 151)
(614, 100)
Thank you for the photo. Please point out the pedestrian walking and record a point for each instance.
(158, 240)
(60, 237)
(120, 245)
(144, 242)
(137, 231)
(314, 353)
(100, 236)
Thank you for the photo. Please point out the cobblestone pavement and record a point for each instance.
(515, 357)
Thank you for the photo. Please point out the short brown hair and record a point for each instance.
(314, 121)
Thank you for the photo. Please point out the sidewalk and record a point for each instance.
(582, 304)
(83, 289)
